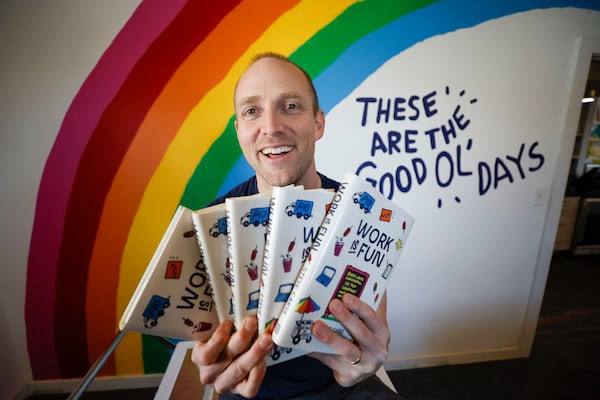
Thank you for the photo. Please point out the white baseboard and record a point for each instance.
(434, 360)
(98, 384)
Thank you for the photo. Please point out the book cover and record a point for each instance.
(173, 298)
(294, 220)
(211, 229)
(355, 252)
(247, 219)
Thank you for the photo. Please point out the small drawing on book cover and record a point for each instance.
(300, 208)
(364, 200)
(173, 270)
(303, 328)
(252, 267)
(339, 243)
(155, 309)
(228, 274)
(198, 327)
(287, 258)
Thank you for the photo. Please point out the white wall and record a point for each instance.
(471, 279)
(47, 50)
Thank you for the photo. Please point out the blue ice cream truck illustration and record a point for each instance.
(219, 228)
(155, 309)
(256, 216)
(364, 200)
(300, 208)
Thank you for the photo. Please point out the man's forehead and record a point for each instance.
(271, 71)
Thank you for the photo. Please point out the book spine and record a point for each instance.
(231, 260)
(198, 233)
(266, 264)
(211, 266)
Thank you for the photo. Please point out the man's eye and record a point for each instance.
(291, 107)
(250, 111)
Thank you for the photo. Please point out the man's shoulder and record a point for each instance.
(246, 188)
(328, 183)
(250, 187)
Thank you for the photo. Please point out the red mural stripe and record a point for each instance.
(103, 82)
(155, 134)
(99, 163)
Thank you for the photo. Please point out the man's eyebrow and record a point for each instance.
(247, 100)
(284, 96)
(291, 95)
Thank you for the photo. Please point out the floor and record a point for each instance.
(563, 362)
(564, 359)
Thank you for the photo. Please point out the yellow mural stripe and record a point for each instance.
(201, 128)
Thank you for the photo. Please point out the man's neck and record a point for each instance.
(308, 181)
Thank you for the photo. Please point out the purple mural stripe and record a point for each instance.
(146, 23)
(99, 164)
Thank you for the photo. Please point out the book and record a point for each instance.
(247, 219)
(356, 250)
(294, 220)
(173, 299)
(211, 229)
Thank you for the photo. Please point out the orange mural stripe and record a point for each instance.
(205, 67)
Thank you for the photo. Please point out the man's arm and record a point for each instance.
(372, 337)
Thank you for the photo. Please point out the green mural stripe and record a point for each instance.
(212, 169)
(156, 355)
(356, 22)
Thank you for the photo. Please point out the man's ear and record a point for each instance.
(319, 125)
(235, 124)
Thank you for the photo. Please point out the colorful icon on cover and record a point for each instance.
(326, 275)
(252, 267)
(364, 200)
(339, 243)
(198, 327)
(227, 275)
(303, 328)
(256, 216)
(283, 292)
(287, 258)
(155, 309)
(253, 300)
(300, 208)
(219, 227)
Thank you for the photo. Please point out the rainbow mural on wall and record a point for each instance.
(152, 127)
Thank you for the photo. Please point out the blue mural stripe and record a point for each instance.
(370, 52)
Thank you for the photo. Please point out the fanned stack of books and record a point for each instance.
(282, 256)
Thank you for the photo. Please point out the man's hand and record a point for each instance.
(371, 334)
(232, 362)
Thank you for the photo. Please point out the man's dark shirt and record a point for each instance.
(301, 374)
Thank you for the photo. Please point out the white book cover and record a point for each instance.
(211, 230)
(173, 298)
(355, 252)
(247, 220)
(295, 217)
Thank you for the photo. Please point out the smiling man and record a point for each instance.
(278, 122)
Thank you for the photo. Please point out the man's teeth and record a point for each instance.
(277, 150)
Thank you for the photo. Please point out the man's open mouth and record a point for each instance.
(275, 151)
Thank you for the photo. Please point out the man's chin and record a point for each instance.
(281, 180)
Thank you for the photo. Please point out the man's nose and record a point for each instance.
(271, 122)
